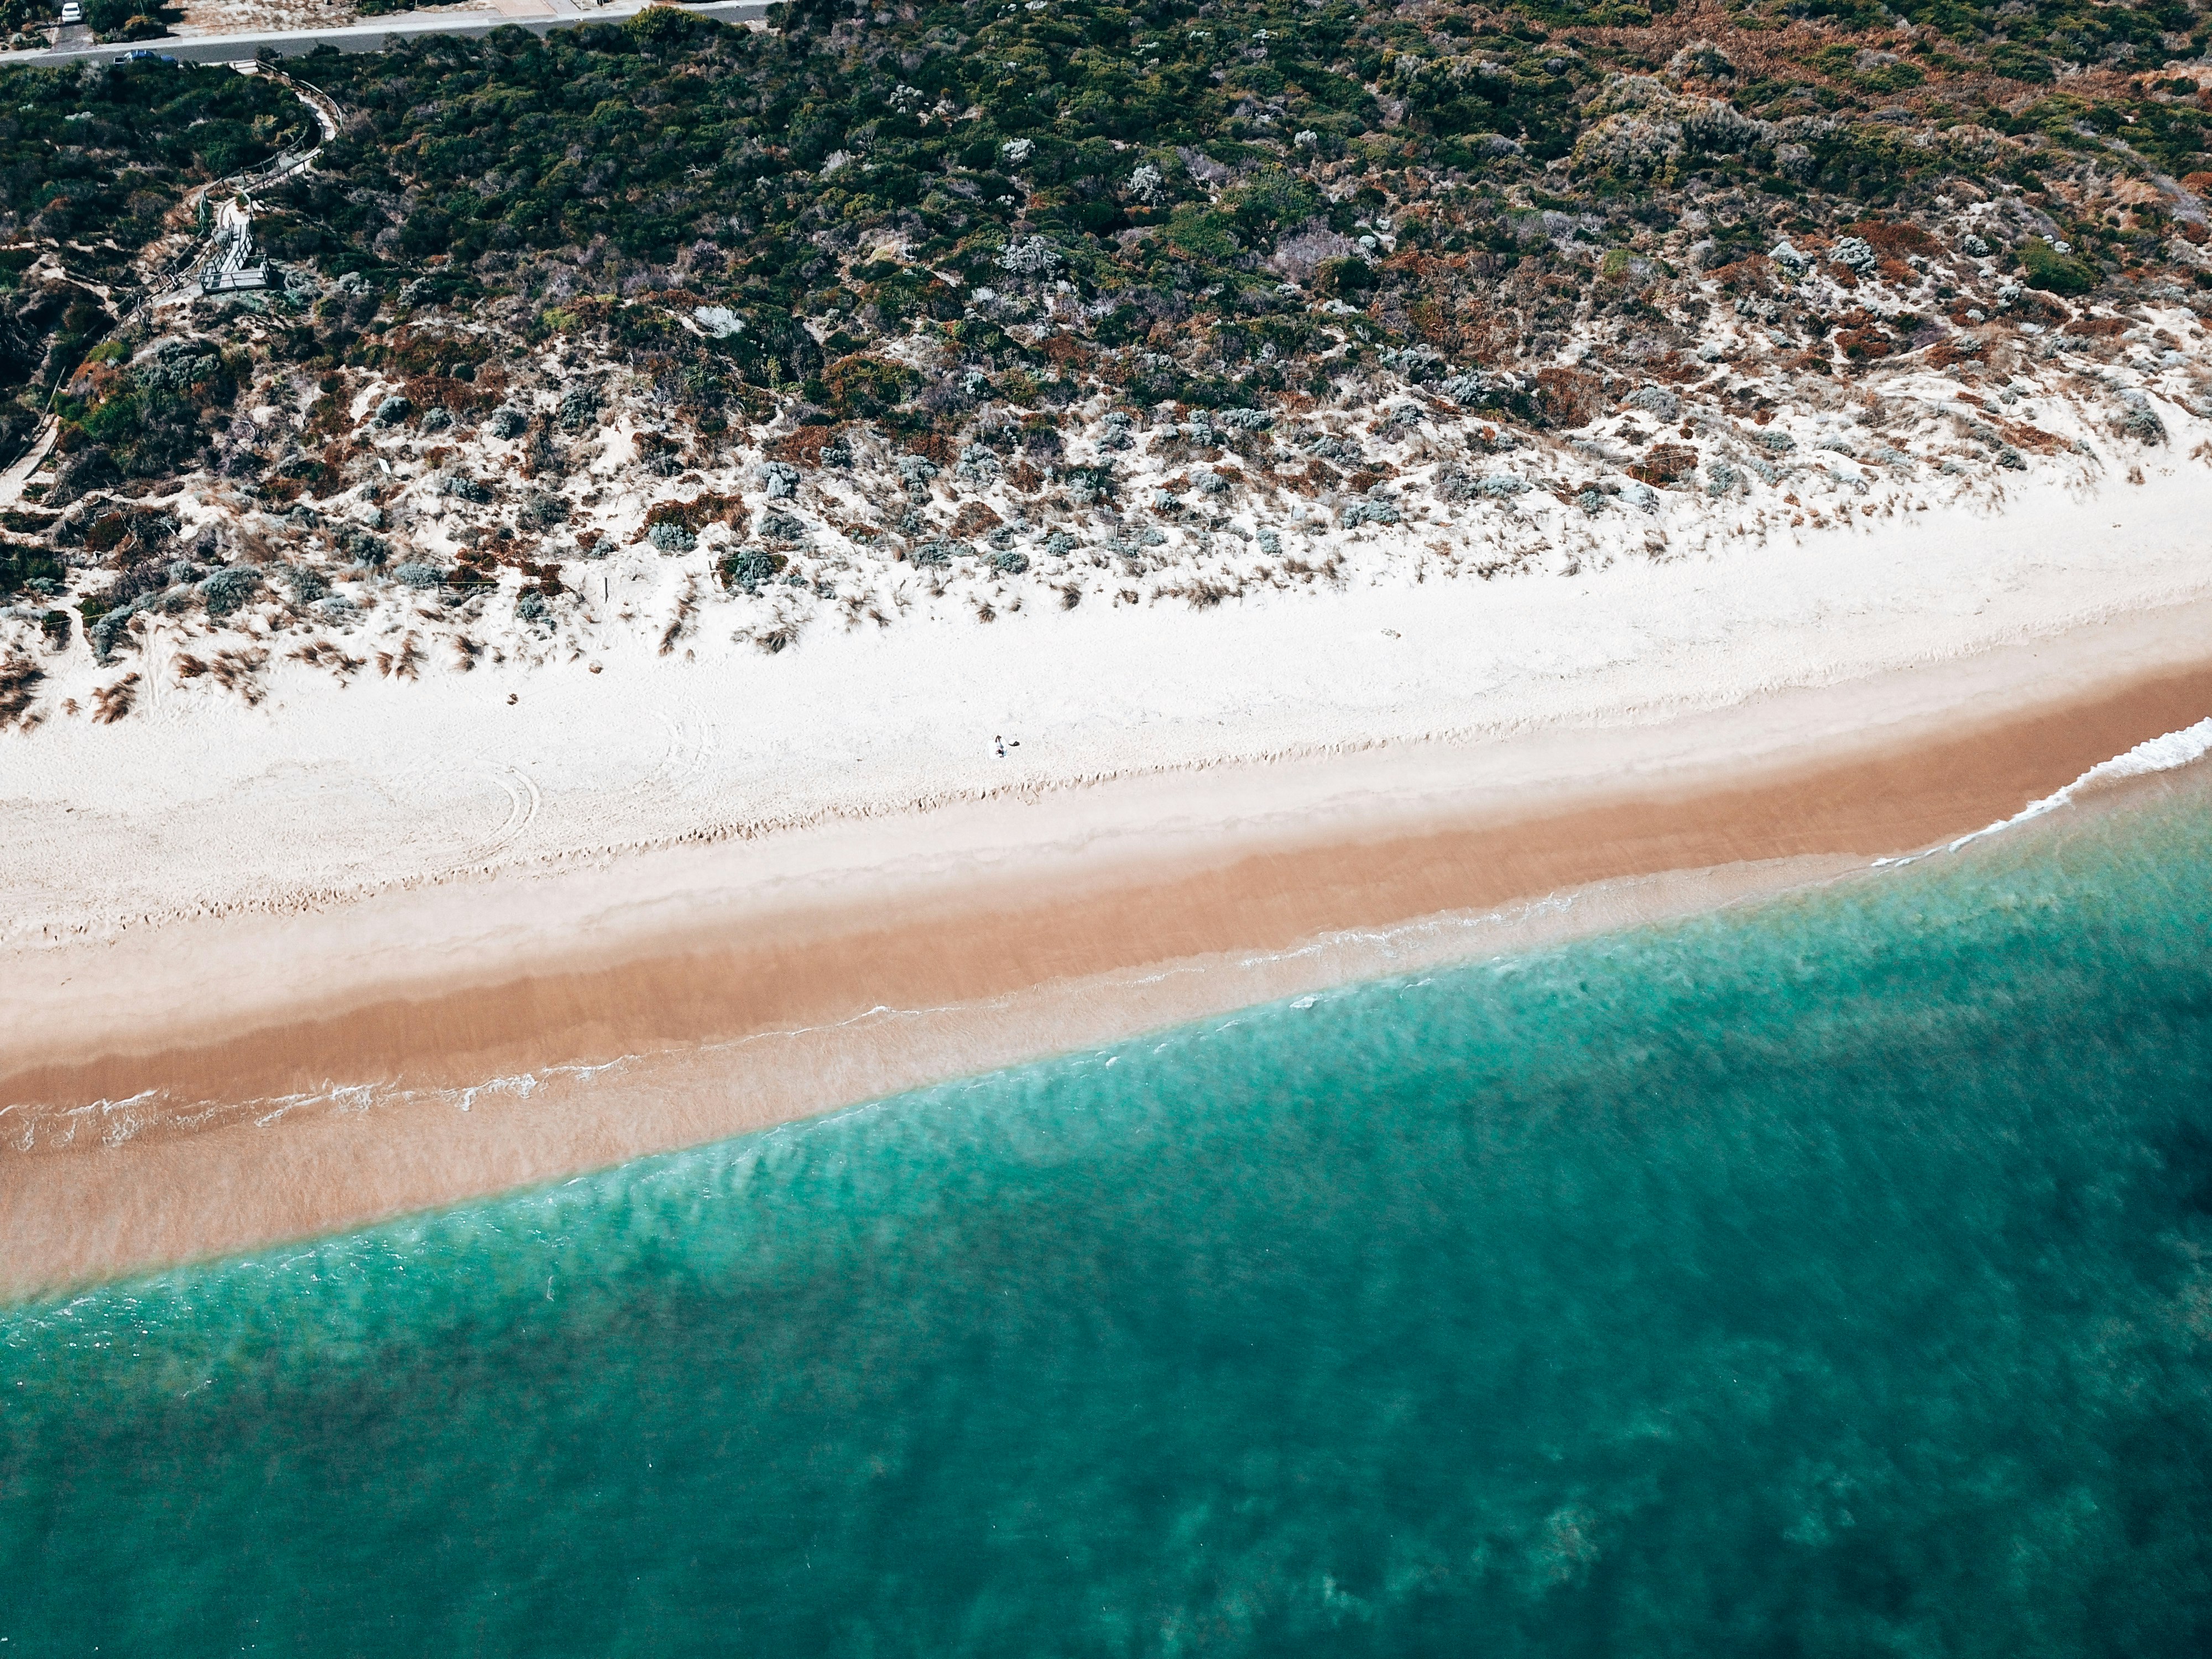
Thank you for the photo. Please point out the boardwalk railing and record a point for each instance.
(294, 159)
(236, 274)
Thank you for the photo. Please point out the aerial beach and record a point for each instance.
(1249, 827)
(411, 1013)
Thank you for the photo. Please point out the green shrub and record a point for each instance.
(858, 387)
(229, 589)
(22, 562)
(813, 213)
(2054, 272)
(749, 567)
(2020, 63)
(1342, 279)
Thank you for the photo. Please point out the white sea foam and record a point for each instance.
(2159, 754)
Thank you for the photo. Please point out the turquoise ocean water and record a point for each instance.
(1829, 1277)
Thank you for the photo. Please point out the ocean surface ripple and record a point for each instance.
(1828, 1276)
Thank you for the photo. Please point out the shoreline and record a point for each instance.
(328, 1068)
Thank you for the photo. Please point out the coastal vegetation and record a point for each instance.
(969, 287)
(1152, 175)
(1148, 179)
(94, 162)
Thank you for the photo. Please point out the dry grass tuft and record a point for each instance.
(773, 638)
(233, 671)
(803, 447)
(862, 607)
(973, 518)
(325, 653)
(404, 664)
(19, 686)
(1203, 592)
(110, 703)
(240, 672)
(687, 607)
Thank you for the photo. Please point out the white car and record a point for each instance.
(72, 13)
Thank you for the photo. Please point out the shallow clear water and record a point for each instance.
(1829, 1277)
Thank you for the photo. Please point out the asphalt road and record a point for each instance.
(364, 37)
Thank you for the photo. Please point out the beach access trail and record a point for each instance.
(225, 249)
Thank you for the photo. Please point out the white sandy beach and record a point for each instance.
(408, 889)
(200, 803)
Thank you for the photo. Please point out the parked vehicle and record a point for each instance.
(72, 13)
